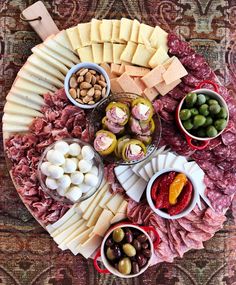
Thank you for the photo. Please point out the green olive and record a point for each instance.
(211, 131)
(110, 254)
(212, 102)
(118, 234)
(208, 122)
(191, 99)
(207, 97)
(188, 124)
(203, 110)
(185, 114)
(201, 132)
(129, 249)
(201, 99)
(199, 120)
(124, 266)
(214, 109)
(220, 124)
(194, 111)
(222, 114)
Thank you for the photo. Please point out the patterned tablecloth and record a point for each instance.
(27, 254)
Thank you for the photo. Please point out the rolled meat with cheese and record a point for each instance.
(133, 150)
(143, 128)
(117, 113)
(112, 127)
(105, 142)
(142, 109)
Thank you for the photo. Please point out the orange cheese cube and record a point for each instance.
(122, 69)
(167, 63)
(115, 68)
(107, 68)
(128, 84)
(150, 93)
(175, 71)
(136, 70)
(140, 83)
(115, 86)
(163, 88)
(154, 76)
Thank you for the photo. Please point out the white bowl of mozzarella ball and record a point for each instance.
(70, 170)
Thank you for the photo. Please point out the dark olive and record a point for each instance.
(142, 238)
(147, 253)
(135, 267)
(144, 245)
(109, 242)
(137, 244)
(128, 235)
(110, 254)
(117, 251)
(141, 259)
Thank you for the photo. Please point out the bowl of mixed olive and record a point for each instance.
(127, 250)
(202, 115)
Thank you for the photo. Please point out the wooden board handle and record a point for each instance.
(40, 20)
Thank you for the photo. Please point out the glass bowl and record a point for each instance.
(97, 161)
(95, 124)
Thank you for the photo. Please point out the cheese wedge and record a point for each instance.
(130, 181)
(174, 72)
(106, 30)
(140, 83)
(29, 68)
(136, 70)
(107, 68)
(85, 54)
(161, 161)
(45, 67)
(31, 78)
(118, 217)
(159, 57)
(97, 50)
(115, 86)
(94, 217)
(115, 37)
(103, 223)
(154, 77)
(107, 53)
(64, 52)
(143, 174)
(51, 61)
(115, 202)
(85, 33)
(179, 162)
(128, 84)
(163, 88)
(63, 40)
(81, 238)
(33, 97)
(74, 38)
(145, 31)
(117, 51)
(123, 207)
(13, 119)
(29, 86)
(115, 69)
(129, 51)
(170, 157)
(125, 29)
(88, 247)
(12, 108)
(23, 102)
(121, 169)
(12, 128)
(142, 55)
(135, 31)
(159, 38)
(105, 199)
(95, 31)
(149, 170)
(150, 93)
(136, 191)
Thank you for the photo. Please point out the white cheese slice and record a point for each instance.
(154, 164)
(85, 33)
(161, 161)
(118, 217)
(170, 157)
(115, 37)
(51, 61)
(29, 86)
(149, 170)
(125, 29)
(179, 162)
(82, 206)
(95, 202)
(188, 165)
(135, 149)
(159, 38)
(119, 112)
(88, 247)
(74, 37)
(123, 207)
(85, 54)
(117, 51)
(62, 39)
(115, 202)
(120, 169)
(80, 238)
(142, 173)
(136, 191)
(95, 31)
(17, 119)
(129, 51)
(131, 180)
(103, 223)
(135, 31)
(12, 128)
(42, 65)
(42, 75)
(108, 52)
(62, 51)
(143, 55)
(105, 199)
(145, 32)
(143, 109)
(124, 175)
(97, 50)
(94, 217)
(22, 101)
(12, 108)
(106, 30)
(33, 97)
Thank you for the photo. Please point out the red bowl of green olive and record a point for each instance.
(127, 250)
(202, 115)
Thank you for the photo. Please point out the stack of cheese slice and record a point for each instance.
(82, 227)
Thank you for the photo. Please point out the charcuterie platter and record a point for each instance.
(121, 144)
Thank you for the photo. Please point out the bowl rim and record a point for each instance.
(77, 67)
(106, 262)
(57, 196)
(166, 215)
(212, 94)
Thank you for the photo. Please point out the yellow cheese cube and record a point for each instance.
(125, 29)
(85, 33)
(74, 38)
(117, 51)
(143, 55)
(159, 38)
(159, 57)
(145, 32)
(135, 31)
(97, 50)
(108, 52)
(115, 37)
(85, 54)
(106, 30)
(128, 52)
(95, 31)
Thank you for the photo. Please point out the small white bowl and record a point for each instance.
(162, 214)
(77, 67)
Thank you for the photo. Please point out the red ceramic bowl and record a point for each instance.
(202, 142)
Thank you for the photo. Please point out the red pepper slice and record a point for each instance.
(183, 200)
(155, 188)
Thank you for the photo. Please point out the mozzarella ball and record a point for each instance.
(64, 182)
(90, 179)
(84, 165)
(87, 152)
(94, 170)
(77, 177)
(69, 166)
(85, 188)
(51, 183)
(62, 147)
(76, 161)
(56, 158)
(44, 167)
(74, 193)
(74, 149)
(62, 191)
(49, 154)
(55, 171)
